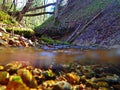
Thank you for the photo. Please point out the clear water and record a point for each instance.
(62, 56)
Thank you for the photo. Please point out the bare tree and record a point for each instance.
(3, 4)
(24, 10)
(56, 10)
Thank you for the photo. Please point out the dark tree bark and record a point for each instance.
(32, 9)
(3, 4)
(36, 14)
(24, 10)
(56, 10)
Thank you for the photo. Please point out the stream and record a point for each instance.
(59, 69)
(60, 56)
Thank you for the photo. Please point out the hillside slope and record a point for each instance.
(104, 30)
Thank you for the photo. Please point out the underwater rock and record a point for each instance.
(1, 68)
(2, 87)
(12, 67)
(49, 75)
(62, 85)
(72, 78)
(102, 84)
(16, 83)
(4, 77)
(116, 87)
(27, 78)
(49, 83)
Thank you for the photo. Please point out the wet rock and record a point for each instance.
(49, 75)
(27, 78)
(11, 42)
(40, 79)
(36, 71)
(3, 43)
(116, 87)
(2, 29)
(102, 84)
(1, 34)
(4, 77)
(90, 74)
(1, 68)
(16, 83)
(12, 67)
(72, 78)
(104, 88)
(78, 87)
(49, 83)
(83, 79)
(113, 79)
(57, 68)
(62, 85)
(2, 87)
(109, 79)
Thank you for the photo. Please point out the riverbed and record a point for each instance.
(59, 69)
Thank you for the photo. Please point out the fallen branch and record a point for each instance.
(76, 33)
(37, 14)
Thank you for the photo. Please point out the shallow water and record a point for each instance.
(62, 56)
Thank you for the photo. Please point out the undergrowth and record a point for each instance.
(5, 18)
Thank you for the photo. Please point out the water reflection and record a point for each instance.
(40, 57)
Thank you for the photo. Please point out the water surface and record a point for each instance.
(62, 56)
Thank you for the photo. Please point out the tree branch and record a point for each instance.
(37, 14)
(32, 9)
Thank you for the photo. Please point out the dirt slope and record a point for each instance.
(104, 30)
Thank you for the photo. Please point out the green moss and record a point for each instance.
(21, 31)
(5, 18)
(17, 79)
(47, 40)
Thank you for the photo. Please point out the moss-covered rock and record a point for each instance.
(46, 40)
(21, 31)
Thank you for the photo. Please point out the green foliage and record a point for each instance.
(46, 23)
(21, 31)
(47, 40)
(5, 18)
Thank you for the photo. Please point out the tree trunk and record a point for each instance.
(56, 10)
(24, 10)
(15, 5)
(3, 4)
